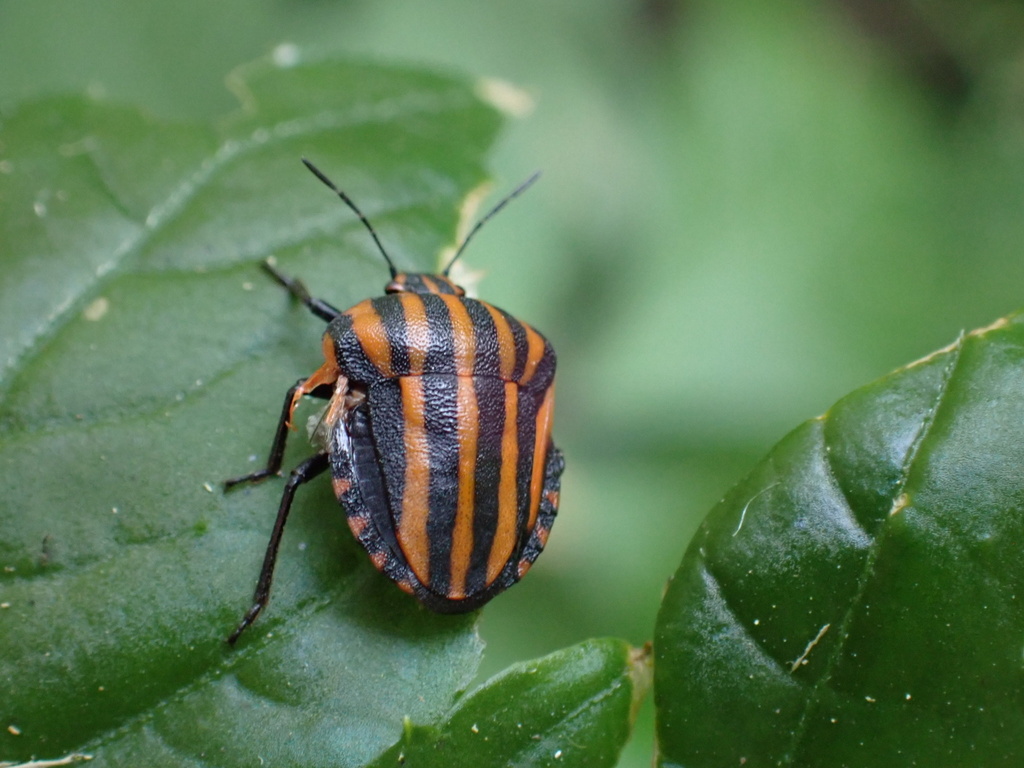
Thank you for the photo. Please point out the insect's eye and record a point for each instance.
(395, 287)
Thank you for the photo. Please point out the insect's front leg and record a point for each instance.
(273, 465)
(298, 289)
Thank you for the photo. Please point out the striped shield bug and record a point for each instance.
(437, 434)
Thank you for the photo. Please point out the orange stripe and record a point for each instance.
(505, 534)
(417, 332)
(430, 284)
(357, 525)
(462, 537)
(534, 353)
(468, 418)
(369, 329)
(412, 530)
(465, 337)
(540, 452)
(506, 343)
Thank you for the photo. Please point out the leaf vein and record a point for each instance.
(873, 553)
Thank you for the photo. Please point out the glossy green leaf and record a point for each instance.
(574, 707)
(856, 601)
(143, 359)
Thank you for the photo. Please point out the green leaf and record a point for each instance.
(574, 707)
(856, 601)
(143, 359)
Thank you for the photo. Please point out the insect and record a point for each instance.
(437, 434)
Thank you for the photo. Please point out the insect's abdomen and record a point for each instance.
(458, 475)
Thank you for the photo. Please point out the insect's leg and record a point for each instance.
(548, 509)
(298, 289)
(280, 437)
(303, 473)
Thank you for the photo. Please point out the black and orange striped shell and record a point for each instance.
(440, 441)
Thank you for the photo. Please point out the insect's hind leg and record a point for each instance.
(303, 473)
(298, 289)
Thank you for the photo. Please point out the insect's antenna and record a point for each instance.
(348, 201)
(476, 227)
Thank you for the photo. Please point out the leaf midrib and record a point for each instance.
(164, 212)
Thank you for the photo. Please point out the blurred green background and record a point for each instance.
(748, 209)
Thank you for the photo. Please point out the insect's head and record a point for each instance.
(423, 282)
(420, 282)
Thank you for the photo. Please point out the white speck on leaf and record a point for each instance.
(508, 98)
(900, 503)
(96, 309)
(286, 55)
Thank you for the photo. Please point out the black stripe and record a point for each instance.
(392, 315)
(526, 434)
(488, 359)
(349, 351)
(425, 282)
(522, 347)
(441, 351)
(440, 393)
(545, 372)
(387, 425)
(413, 282)
(490, 398)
